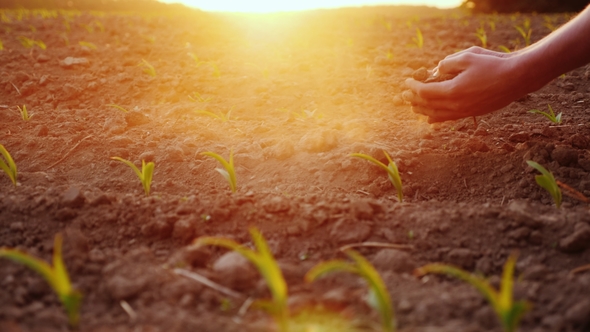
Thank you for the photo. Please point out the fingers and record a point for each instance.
(426, 91)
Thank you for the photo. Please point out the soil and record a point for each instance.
(305, 90)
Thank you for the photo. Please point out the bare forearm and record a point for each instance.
(564, 50)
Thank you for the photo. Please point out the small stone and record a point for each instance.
(148, 156)
(523, 214)
(71, 61)
(135, 118)
(477, 145)
(17, 226)
(420, 74)
(520, 137)
(394, 260)
(521, 233)
(235, 271)
(43, 58)
(277, 204)
(121, 287)
(565, 155)
(319, 141)
(73, 198)
(535, 272)
(577, 241)
(349, 232)
(44, 80)
(283, 150)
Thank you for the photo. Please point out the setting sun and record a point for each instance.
(265, 6)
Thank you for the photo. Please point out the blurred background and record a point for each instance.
(478, 6)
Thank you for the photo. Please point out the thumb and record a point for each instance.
(455, 65)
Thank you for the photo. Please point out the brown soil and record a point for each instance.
(305, 90)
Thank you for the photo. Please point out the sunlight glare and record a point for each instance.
(265, 6)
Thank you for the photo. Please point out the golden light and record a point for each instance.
(266, 6)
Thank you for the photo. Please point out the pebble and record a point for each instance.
(394, 260)
(348, 232)
(121, 287)
(235, 271)
(73, 198)
(71, 61)
(577, 241)
(136, 118)
(276, 204)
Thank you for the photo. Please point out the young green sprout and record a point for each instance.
(56, 276)
(391, 169)
(196, 97)
(24, 113)
(267, 266)
(1, 45)
(525, 31)
(504, 49)
(549, 115)
(547, 182)
(378, 295)
(7, 164)
(480, 33)
(418, 40)
(118, 107)
(147, 68)
(228, 171)
(28, 43)
(508, 311)
(223, 117)
(145, 175)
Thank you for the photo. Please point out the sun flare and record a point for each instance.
(265, 6)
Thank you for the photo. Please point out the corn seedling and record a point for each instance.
(28, 43)
(7, 164)
(418, 40)
(118, 107)
(223, 117)
(228, 171)
(88, 45)
(1, 46)
(549, 115)
(508, 311)
(196, 97)
(504, 49)
(547, 182)
(195, 59)
(378, 295)
(56, 276)
(145, 175)
(88, 27)
(480, 33)
(99, 25)
(391, 169)
(548, 23)
(267, 266)
(525, 31)
(147, 68)
(24, 113)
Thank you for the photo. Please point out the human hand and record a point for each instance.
(485, 81)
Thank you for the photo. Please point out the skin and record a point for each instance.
(487, 80)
